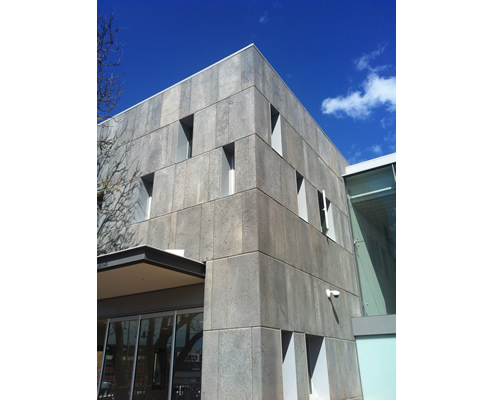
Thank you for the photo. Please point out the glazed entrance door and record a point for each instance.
(143, 354)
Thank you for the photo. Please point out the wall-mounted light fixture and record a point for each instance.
(335, 293)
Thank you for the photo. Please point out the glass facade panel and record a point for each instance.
(118, 360)
(188, 357)
(372, 206)
(168, 349)
(101, 334)
(377, 364)
(153, 358)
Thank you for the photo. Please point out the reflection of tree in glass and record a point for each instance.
(154, 353)
(151, 377)
(154, 356)
(122, 356)
(187, 364)
(194, 332)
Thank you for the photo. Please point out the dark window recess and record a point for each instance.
(146, 185)
(185, 138)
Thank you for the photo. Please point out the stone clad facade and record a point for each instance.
(267, 269)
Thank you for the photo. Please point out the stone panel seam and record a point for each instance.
(185, 79)
(341, 339)
(311, 225)
(286, 121)
(270, 256)
(307, 273)
(195, 205)
(173, 122)
(272, 328)
(135, 224)
(231, 329)
(236, 255)
(295, 169)
(183, 161)
(295, 97)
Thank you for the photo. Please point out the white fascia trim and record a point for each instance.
(370, 164)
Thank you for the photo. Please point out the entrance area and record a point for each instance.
(151, 356)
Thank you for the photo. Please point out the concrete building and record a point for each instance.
(226, 265)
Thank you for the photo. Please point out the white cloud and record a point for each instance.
(378, 91)
(362, 63)
(264, 18)
(376, 149)
(357, 155)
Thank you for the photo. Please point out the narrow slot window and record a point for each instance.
(276, 132)
(323, 213)
(326, 216)
(301, 197)
(144, 200)
(289, 377)
(319, 387)
(185, 139)
(228, 170)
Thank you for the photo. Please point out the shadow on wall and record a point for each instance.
(116, 186)
(334, 311)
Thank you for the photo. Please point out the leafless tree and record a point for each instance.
(109, 78)
(115, 168)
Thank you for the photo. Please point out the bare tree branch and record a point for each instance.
(115, 171)
(109, 84)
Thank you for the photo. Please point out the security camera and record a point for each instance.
(335, 293)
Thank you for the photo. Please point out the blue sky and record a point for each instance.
(338, 57)
(444, 87)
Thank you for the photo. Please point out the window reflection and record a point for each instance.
(188, 357)
(153, 360)
(372, 205)
(118, 360)
(101, 334)
(154, 366)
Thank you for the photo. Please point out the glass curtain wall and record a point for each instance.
(372, 207)
(377, 365)
(149, 357)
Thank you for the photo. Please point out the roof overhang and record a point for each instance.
(144, 269)
(370, 164)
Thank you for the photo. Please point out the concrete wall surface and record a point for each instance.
(267, 269)
(246, 363)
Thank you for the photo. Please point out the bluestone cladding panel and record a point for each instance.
(267, 269)
(205, 128)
